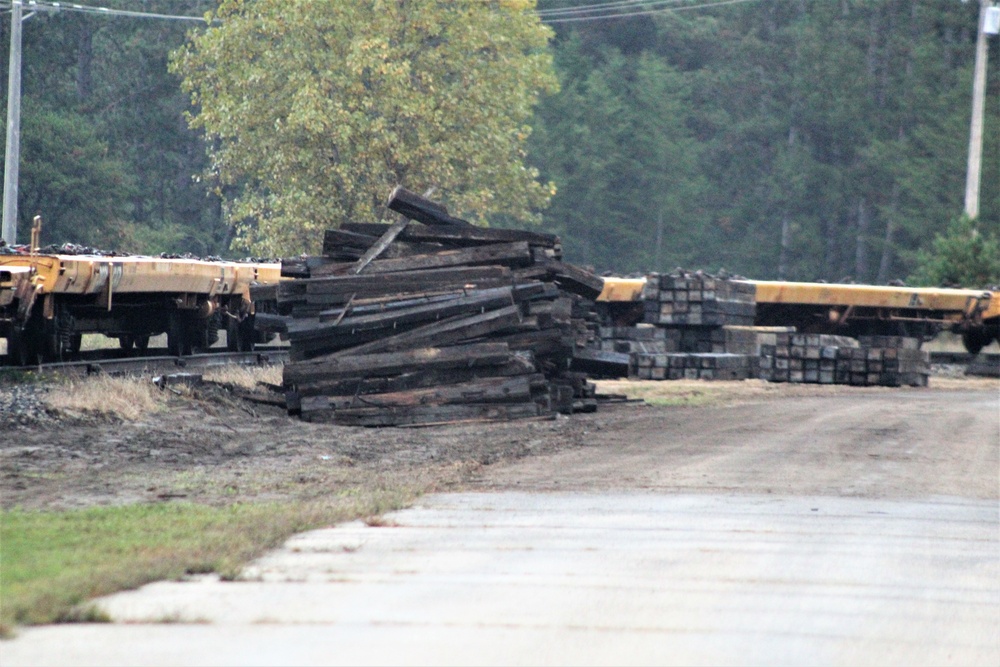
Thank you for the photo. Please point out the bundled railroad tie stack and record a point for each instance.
(686, 299)
(609, 354)
(708, 329)
(808, 358)
(890, 361)
(693, 366)
(436, 322)
(644, 338)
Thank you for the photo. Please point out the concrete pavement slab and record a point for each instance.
(583, 578)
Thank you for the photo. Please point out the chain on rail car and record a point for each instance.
(855, 310)
(48, 301)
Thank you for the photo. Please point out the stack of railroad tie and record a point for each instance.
(890, 361)
(693, 366)
(683, 299)
(435, 322)
(708, 329)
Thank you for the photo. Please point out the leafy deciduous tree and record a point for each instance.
(315, 110)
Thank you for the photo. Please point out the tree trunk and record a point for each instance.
(861, 242)
(885, 264)
(84, 60)
(786, 221)
(889, 239)
(786, 242)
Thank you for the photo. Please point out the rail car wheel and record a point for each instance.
(178, 338)
(19, 348)
(240, 334)
(975, 340)
(59, 339)
(137, 342)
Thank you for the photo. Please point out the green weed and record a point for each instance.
(52, 563)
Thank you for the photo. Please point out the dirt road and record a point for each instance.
(878, 445)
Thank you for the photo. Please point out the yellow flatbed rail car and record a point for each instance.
(949, 304)
(127, 297)
(902, 310)
(14, 282)
(860, 309)
(622, 289)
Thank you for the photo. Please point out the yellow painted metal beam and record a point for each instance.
(930, 299)
(622, 289)
(877, 296)
(72, 274)
(11, 279)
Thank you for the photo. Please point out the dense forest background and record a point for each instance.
(798, 139)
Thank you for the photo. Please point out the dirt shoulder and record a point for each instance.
(209, 446)
(897, 444)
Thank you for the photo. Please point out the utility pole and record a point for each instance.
(12, 159)
(972, 178)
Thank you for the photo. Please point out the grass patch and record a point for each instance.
(10, 375)
(677, 392)
(52, 563)
(247, 377)
(98, 342)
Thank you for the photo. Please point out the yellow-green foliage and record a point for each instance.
(317, 108)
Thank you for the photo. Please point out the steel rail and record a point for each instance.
(153, 364)
(964, 358)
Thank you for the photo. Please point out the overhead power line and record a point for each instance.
(624, 10)
(43, 6)
(606, 6)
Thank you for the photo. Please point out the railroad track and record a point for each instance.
(95, 363)
(101, 361)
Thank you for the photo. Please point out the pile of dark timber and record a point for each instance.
(435, 321)
(888, 361)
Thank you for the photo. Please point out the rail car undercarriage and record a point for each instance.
(47, 304)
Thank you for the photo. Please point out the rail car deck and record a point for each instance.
(951, 304)
(47, 301)
(859, 309)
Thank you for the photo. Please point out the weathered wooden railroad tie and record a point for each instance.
(890, 361)
(697, 326)
(435, 321)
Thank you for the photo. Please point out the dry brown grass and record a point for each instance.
(244, 376)
(129, 398)
(965, 383)
(704, 392)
